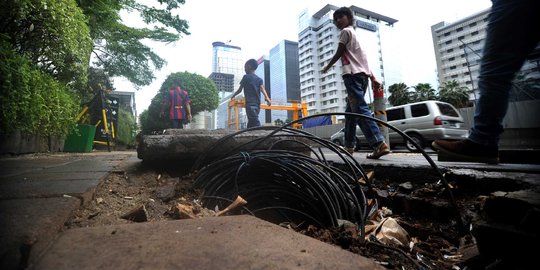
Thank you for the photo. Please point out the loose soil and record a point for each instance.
(161, 195)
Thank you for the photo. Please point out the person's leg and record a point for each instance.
(356, 88)
(174, 123)
(513, 32)
(180, 123)
(252, 112)
(350, 129)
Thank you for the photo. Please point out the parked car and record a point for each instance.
(423, 121)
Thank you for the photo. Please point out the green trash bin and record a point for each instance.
(80, 139)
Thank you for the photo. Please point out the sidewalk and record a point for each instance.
(38, 193)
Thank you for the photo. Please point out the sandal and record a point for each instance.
(381, 150)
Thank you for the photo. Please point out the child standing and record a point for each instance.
(253, 87)
(355, 74)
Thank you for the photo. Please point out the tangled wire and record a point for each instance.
(281, 185)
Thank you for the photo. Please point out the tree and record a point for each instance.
(202, 92)
(423, 92)
(52, 34)
(454, 94)
(32, 100)
(399, 94)
(118, 48)
(98, 79)
(44, 54)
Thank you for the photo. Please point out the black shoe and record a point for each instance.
(467, 150)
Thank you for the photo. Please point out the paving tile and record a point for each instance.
(233, 242)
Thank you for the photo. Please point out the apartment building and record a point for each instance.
(458, 48)
(317, 41)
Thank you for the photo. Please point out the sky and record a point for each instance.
(258, 25)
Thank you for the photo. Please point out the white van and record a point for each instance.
(423, 121)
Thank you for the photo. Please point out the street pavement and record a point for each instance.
(39, 192)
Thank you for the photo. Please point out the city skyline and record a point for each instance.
(254, 30)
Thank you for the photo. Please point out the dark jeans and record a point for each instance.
(177, 123)
(513, 32)
(252, 112)
(356, 86)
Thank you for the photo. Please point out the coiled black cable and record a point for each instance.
(285, 186)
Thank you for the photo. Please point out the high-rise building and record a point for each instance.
(279, 72)
(226, 59)
(225, 85)
(284, 77)
(458, 48)
(317, 41)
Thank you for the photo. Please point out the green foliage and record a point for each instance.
(32, 100)
(399, 94)
(452, 93)
(423, 92)
(202, 92)
(52, 34)
(118, 48)
(127, 127)
(150, 119)
(98, 79)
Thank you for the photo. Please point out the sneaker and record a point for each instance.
(467, 150)
(349, 150)
(381, 150)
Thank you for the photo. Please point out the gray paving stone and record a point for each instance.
(234, 242)
(27, 226)
(49, 176)
(82, 189)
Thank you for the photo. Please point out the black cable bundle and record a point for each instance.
(286, 186)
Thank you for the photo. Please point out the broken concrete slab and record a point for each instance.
(231, 242)
(189, 144)
(27, 226)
